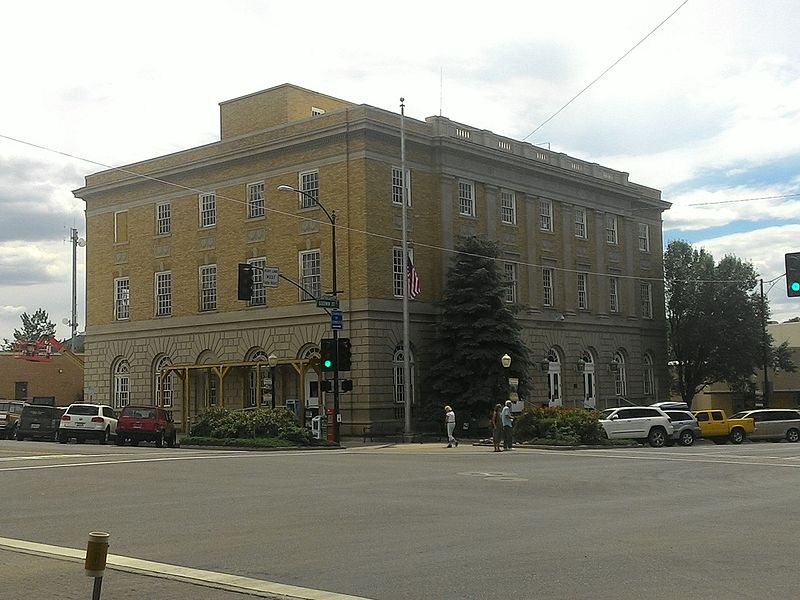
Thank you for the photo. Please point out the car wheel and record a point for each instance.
(119, 440)
(737, 436)
(793, 435)
(62, 437)
(686, 438)
(657, 437)
(171, 441)
(79, 440)
(159, 439)
(105, 436)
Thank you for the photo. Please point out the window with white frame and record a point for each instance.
(163, 218)
(583, 285)
(510, 270)
(649, 377)
(163, 388)
(398, 277)
(508, 207)
(611, 229)
(620, 379)
(589, 394)
(554, 378)
(466, 198)
(545, 215)
(208, 210)
(397, 186)
(613, 294)
(121, 377)
(208, 287)
(644, 237)
(259, 296)
(580, 223)
(646, 296)
(163, 293)
(254, 376)
(255, 200)
(547, 286)
(309, 183)
(397, 370)
(310, 274)
(122, 299)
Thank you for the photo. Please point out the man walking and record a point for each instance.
(508, 424)
(450, 421)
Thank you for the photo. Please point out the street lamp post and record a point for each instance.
(332, 218)
(273, 362)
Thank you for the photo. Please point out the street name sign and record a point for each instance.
(327, 302)
(269, 275)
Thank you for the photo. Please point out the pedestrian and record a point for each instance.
(497, 427)
(508, 424)
(450, 421)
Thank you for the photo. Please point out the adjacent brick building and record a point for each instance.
(582, 251)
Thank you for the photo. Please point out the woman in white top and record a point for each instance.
(450, 420)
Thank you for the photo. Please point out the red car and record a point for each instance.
(146, 424)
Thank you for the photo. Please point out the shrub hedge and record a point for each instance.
(221, 423)
(559, 426)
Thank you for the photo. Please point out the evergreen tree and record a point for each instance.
(476, 328)
(34, 328)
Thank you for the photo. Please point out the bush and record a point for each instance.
(220, 423)
(560, 426)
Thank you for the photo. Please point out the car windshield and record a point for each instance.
(139, 413)
(82, 409)
(37, 411)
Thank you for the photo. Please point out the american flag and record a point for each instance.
(414, 287)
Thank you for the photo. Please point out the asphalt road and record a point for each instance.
(413, 521)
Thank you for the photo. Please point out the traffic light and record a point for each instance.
(347, 385)
(793, 274)
(245, 287)
(344, 354)
(327, 350)
(326, 385)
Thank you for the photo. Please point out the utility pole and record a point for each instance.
(764, 349)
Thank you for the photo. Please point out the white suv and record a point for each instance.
(643, 423)
(82, 421)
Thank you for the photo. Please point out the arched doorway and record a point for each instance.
(554, 397)
(586, 364)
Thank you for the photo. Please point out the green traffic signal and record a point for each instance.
(793, 274)
(328, 364)
(795, 286)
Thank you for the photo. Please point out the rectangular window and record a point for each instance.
(613, 294)
(508, 207)
(510, 270)
(580, 223)
(466, 199)
(255, 200)
(163, 285)
(310, 277)
(583, 298)
(208, 210)
(546, 215)
(611, 229)
(259, 297)
(397, 186)
(644, 237)
(646, 292)
(121, 227)
(547, 287)
(398, 279)
(309, 183)
(163, 218)
(208, 287)
(122, 307)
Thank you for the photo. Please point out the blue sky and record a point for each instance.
(707, 109)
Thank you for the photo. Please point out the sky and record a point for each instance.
(706, 108)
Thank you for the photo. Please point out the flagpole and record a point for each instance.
(406, 349)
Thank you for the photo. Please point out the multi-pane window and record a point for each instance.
(545, 215)
(163, 387)
(208, 287)
(583, 298)
(163, 289)
(310, 277)
(466, 198)
(398, 277)
(649, 379)
(646, 294)
(613, 294)
(644, 237)
(620, 380)
(121, 384)
(259, 296)
(122, 293)
(398, 367)
(510, 270)
(508, 207)
(163, 218)
(309, 183)
(255, 200)
(547, 286)
(397, 186)
(208, 210)
(611, 229)
(580, 223)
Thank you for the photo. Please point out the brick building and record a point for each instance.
(60, 377)
(581, 250)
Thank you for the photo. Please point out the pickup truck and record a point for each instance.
(717, 427)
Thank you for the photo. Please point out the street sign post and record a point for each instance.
(327, 302)
(336, 319)
(269, 276)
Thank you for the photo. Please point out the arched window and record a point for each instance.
(397, 376)
(122, 384)
(554, 379)
(162, 389)
(252, 377)
(586, 363)
(649, 379)
(620, 380)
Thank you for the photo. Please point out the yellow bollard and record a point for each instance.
(96, 554)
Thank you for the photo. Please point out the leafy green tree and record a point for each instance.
(34, 327)
(475, 329)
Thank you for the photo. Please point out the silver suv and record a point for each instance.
(773, 423)
(685, 425)
(644, 423)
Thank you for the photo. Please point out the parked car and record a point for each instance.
(685, 425)
(146, 424)
(717, 427)
(10, 410)
(643, 423)
(671, 405)
(39, 422)
(87, 421)
(773, 423)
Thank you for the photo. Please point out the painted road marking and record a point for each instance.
(212, 579)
